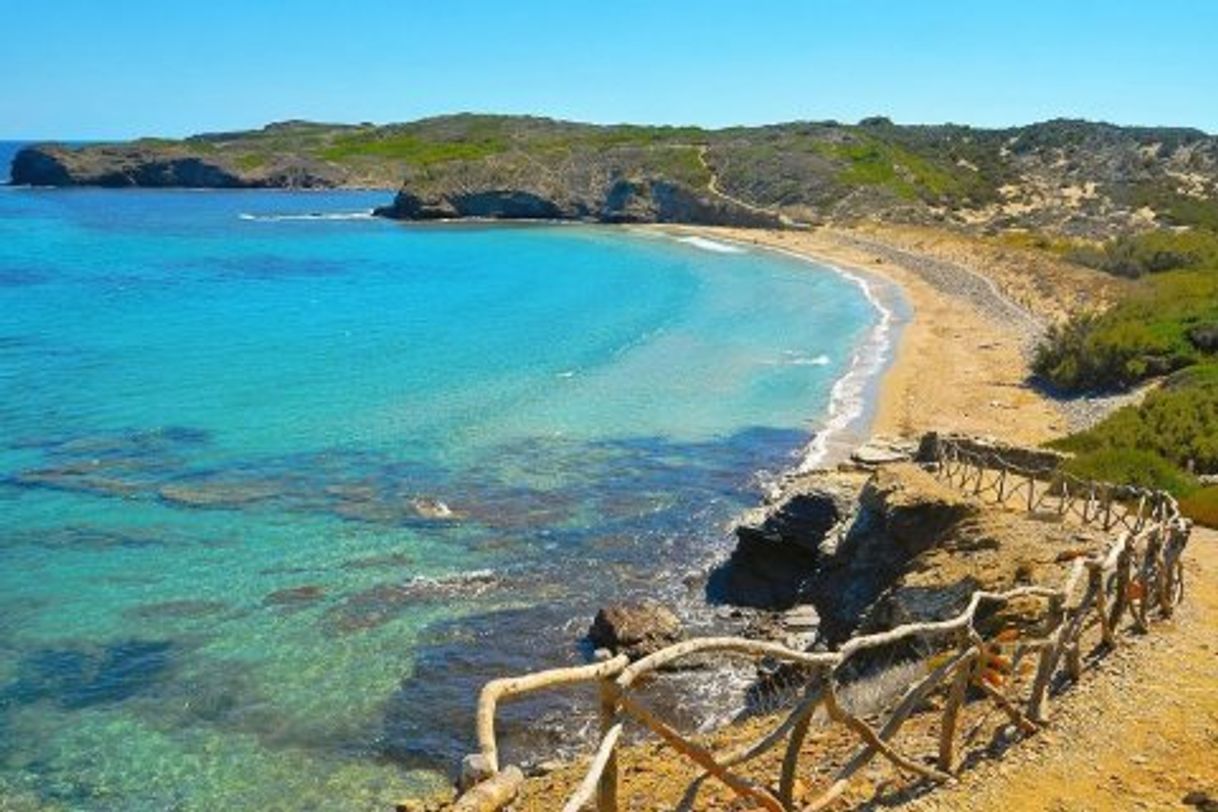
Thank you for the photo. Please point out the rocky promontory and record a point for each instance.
(1069, 177)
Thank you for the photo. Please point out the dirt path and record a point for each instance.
(1140, 732)
(712, 186)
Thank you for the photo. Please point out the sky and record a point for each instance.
(101, 69)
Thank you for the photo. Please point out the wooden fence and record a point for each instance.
(1138, 576)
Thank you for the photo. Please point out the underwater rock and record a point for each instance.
(214, 493)
(376, 562)
(382, 603)
(295, 596)
(185, 608)
(85, 677)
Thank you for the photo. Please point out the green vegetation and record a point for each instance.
(1202, 506)
(1168, 324)
(1150, 252)
(1132, 467)
(1159, 443)
(1178, 424)
(872, 161)
(412, 148)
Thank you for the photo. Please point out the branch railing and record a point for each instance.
(1138, 575)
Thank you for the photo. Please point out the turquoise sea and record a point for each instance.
(281, 484)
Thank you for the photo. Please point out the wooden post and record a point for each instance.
(790, 760)
(1031, 492)
(1074, 661)
(606, 788)
(1038, 703)
(951, 714)
(1101, 604)
(1120, 601)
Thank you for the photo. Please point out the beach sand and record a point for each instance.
(961, 361)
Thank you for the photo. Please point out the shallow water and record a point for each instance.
(230, 439)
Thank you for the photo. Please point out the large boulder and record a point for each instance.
(779, 547)
(635, 629)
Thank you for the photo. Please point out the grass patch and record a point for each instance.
(875, 162)
(411, 148)
(1202, 506)
(252, 160)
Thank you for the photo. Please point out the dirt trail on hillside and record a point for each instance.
(1140, 732)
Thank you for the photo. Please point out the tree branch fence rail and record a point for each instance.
(1137, 577)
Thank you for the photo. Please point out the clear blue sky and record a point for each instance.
(120, 68)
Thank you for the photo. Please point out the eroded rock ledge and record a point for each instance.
(869, 547)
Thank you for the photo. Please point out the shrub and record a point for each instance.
(1202, 506)
(1178, 424)
(1129, 466)
(1150, 333)
(1150, 252)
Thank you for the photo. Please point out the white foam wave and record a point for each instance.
(279, 218)
(847, 398)
(795, 359)
(711, 245)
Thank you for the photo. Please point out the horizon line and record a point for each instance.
(602, 123)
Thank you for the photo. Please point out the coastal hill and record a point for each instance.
(1065, 177)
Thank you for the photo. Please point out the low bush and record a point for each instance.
(1202, 506)
(1129, 466)
(1161, 328)
(1178, 424)
(1149, 252)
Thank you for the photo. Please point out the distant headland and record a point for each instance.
(1070, 177)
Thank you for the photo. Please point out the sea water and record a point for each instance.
(281, 484)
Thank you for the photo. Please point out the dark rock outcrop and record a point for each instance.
(58, 166)
(635, 629)
(646, 200)
(779, 547)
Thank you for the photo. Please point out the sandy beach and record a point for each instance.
(961, 361)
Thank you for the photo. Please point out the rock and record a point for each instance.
(432, 508)
(801, 618)
(779, 546)
(1203, 801)
(475, 768)
(636, 629)
(295, 596)
(881, 451)
(912, 509)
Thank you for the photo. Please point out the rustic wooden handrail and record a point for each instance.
(1140, 570)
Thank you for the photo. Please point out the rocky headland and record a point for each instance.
(1064, 176)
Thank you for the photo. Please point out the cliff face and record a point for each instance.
(1062, 177)
(643, 200)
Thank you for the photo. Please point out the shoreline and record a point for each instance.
(849, 415)
(949, 366)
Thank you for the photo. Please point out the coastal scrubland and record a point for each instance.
(1165, 331)
(1073, 179)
